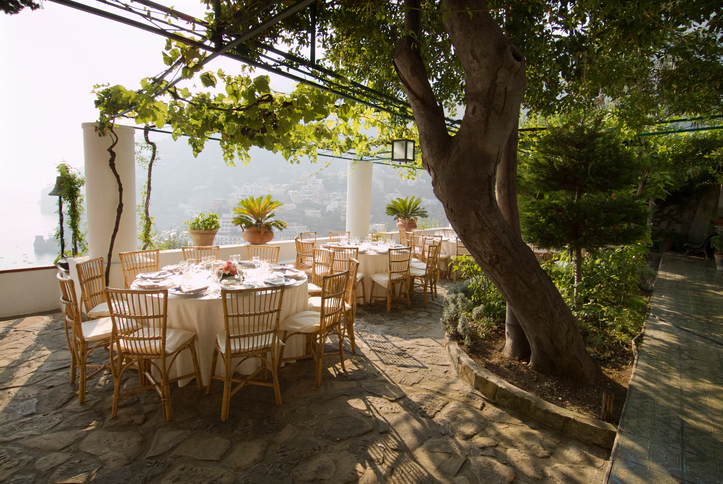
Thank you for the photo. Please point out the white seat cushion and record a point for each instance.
(417, 272)
(302, 322)
(100, 311)
(418, 265)
(315, 304)
(382, 279)
(175, 338)
(245, 344)
(313, 288)
(97, 330)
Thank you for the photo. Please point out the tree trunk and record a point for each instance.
(463, 170)
(516, 345)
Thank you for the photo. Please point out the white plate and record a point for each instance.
(276, 281)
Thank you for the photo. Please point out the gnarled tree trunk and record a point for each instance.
(516, 345)
(463, 168)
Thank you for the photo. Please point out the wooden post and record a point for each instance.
(606, 412)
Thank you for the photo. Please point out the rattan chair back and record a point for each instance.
(200, 252)
(137, 262)
(91, 277)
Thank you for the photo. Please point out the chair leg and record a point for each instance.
(83, 370)
(196, 367)
(166, 397)
(389, 299)
(214, 359)
(340, 335)
(275, 375)
(116, 396)
(319, 361)
(349, 326)
(226, 402)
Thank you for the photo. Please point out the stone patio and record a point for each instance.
(398, 415)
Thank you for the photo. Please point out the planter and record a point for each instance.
(256, 236)
(202, 237)
(407, 224)
(718, 261)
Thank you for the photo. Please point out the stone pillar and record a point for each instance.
(359, 198)
(101, 192)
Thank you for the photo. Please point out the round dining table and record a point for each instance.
(203, 315)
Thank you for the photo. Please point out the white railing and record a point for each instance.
(35, 290)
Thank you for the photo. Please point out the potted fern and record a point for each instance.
(256, 215)
(406, 211)
(203, 228)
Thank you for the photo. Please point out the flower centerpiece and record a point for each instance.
(228, 270)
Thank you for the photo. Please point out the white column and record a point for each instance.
(101, 192)
(359, 198)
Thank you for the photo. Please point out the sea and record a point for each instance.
(22, 221)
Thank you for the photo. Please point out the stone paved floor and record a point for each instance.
(672, 425)
(398, 415)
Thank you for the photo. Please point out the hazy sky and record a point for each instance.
(49, 61)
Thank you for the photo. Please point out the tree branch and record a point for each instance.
(119, 210)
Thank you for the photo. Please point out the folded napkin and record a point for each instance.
(192, 289)
(153, 283)
(154, 275)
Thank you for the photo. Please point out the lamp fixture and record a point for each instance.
(403, 150)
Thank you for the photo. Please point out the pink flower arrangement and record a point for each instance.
(228, 268)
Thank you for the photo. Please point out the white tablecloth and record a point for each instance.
(370, 264)
(204, 316)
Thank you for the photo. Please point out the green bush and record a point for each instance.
(474, 307)
(613, 290)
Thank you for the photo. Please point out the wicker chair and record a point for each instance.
(199, 252)
(308, 236)
(318, 326)
(251, 320)
(137, 262)
(91, 277)
(323, 265)
(397, 277)
(263, 252)
(349, 303)
(83, 338)
(339, 236)
(304, 255)
(381, 237)
(141, 340)
(428, 276)
(342, 255)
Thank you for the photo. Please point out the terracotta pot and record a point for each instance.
(202, 237)
(407, 224)
(256, 236)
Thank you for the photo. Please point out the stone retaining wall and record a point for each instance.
(581, 427)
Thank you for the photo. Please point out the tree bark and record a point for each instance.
(516, 345)
(464, 168)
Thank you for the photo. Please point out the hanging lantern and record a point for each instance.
(403, 150)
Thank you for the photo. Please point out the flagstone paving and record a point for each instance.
(672, 426)
(399, 414)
